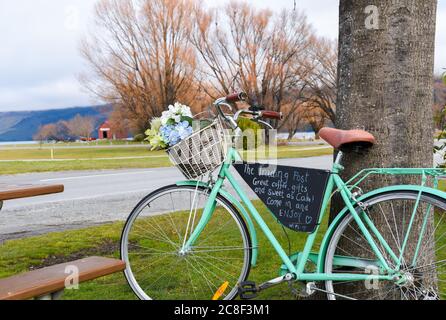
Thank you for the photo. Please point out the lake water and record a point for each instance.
(17, 143)
(299, 135)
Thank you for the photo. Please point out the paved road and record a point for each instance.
(92, 197)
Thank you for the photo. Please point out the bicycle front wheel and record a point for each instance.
(414, 230)
(154, 235)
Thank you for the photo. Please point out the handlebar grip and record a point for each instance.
(236, 97)
(272, 115)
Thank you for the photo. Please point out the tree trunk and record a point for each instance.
(385, 81)
(291, 134)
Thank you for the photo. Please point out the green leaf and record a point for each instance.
(188, 119)
(245, 124)
(151, 133)
(205, 123)
(444, 78)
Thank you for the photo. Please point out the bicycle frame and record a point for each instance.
(335, 183)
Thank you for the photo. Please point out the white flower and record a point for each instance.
(176, 112)
(185, 111)
(173, 109)
(166, 116)
(155, 124)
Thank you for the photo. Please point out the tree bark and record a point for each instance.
(385, 85)
(386, 82)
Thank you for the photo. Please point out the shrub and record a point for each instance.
(247, 124)
(139, 137)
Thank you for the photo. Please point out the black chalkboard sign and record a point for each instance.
(294, 195)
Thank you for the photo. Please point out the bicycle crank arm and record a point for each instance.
(276, 281)
(249, 290)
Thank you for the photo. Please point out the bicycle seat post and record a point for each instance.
(337, 166)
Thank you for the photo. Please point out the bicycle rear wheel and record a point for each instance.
(424, 262)
(155, 233)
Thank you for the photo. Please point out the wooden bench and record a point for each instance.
(49, 283)
(11, 192)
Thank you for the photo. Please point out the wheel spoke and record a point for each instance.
(158, 268)
(388, 213)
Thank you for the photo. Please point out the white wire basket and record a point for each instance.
(202, 152)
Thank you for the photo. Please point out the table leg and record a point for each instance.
(1, 205)
(51, 296)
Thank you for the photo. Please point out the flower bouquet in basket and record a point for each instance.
(194, 147)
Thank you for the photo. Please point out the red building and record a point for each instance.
(106, 131)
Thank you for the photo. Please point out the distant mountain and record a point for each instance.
(21, 126)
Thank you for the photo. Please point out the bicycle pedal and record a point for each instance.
(248, 290)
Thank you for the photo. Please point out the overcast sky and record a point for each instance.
(39, 59)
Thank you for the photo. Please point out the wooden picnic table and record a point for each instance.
(49, 283)
(11, 192)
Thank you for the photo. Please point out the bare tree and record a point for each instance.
(263, 54)
(144, 57)
(119, 123)
(81, 127)
(321, 82)
(141, 59)
(46, 133)
(53, 131)
(315, 116)
(295, 119)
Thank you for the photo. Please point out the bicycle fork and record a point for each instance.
(206, 217)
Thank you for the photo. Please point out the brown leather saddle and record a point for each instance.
(348, 140)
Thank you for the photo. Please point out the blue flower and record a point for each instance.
(184, 130)
(174, 138)
(165, 132)
(170, 135)
(173, 134)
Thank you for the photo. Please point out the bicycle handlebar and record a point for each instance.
(236, 97)
(271, 115)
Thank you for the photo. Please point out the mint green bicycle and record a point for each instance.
(195, 240)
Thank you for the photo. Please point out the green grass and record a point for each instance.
(25, 167)
(442, 185)
(75, 153)
(94, 162)
(25, 254)
(21, 255)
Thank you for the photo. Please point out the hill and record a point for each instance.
(21, 126)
